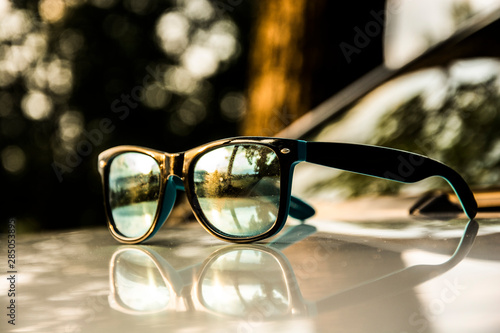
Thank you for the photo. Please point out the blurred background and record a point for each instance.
(78, 77)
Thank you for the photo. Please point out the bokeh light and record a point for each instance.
(70, 127)
(198, 10)
(77, 76)
(36, 105)
(173, 31)
(13, 159)
(139, 7)
(180, 80)
(13, 23)
(70, 42)
(51, 10)
(155, 96)
(233, 106)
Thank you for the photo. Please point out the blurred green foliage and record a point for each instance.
(453, 119)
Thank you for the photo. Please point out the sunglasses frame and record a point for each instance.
(177, 173)
(289, 153)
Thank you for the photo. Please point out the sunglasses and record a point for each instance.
(240, 188)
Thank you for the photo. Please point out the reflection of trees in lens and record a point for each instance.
(263, 159)
(238, 188)
(224, 182)
(135, 189)
(266, 214)
(210, 185)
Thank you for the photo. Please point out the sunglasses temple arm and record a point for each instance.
(399, 281)
(391, 164)
(299, 209)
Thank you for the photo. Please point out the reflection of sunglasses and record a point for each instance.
(237, 280)
(240, 188)
(142, 281)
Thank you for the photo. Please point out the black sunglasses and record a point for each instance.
(240, 188)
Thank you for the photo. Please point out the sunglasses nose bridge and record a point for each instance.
(174, 164)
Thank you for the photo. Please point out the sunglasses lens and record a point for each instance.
(138, 283)
(134, 188)
(240, 282)
(238, 189)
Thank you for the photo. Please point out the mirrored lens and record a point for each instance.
(238, 188)
(134, 188)
(244, 281)
(138, 282)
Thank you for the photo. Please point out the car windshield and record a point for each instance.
(449, 114)
(447, 111)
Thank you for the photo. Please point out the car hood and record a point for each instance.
(371, 275)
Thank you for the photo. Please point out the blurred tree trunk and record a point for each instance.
(276, 60)
(297, 61)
